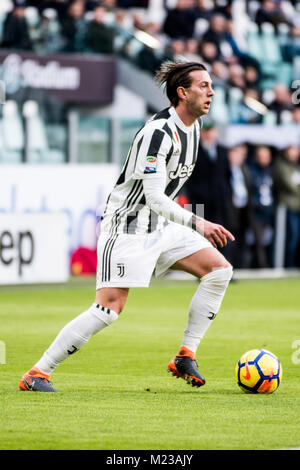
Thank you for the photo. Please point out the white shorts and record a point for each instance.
(126, 260)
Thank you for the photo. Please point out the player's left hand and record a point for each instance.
(215, 233)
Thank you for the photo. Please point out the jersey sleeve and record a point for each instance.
(151, 154)
(162, 205)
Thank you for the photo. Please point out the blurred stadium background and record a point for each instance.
(77, 83)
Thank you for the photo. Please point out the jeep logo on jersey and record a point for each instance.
(182, 171)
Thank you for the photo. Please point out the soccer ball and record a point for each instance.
(258, 371)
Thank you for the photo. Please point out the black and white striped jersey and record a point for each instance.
(163, 146)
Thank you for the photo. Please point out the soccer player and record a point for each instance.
(144, 229)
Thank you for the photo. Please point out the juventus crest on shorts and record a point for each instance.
(164, 145)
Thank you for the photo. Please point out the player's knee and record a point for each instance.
(110, 298)
(219, 276)
(226, 271)
(115, 304)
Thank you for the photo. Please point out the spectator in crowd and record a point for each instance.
(180, 50)
(109, 5)
(49, 39)
(216, 33)
(270, 12)
(203, 9)
(180, 21)
(261, 171)
(236, 76)
(224, 7)
(100, 36)
(74, 27)
(252, 76)
(219, 73)
(291, 48)
(15, 30)
(239, 207)
(153, 29)
(209, 182)
(176, 49)
(220, 32)
(246, 113)
(282, 102)
(235, 53)
(208, 52)
(192, 50)
(123, 19)
(287, 187)
(296, 115)
(60, 6)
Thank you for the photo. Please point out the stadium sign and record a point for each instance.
(79, 192)
(33, 248)
(72, 78)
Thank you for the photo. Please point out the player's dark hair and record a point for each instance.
(175, 74)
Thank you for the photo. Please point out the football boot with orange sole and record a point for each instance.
(35, 381)
(184, 365)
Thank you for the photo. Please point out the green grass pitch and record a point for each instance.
(116, 392)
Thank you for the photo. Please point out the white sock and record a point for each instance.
(74, 335)
(205, 306)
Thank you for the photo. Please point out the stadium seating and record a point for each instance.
(12, 134)
(37, 144)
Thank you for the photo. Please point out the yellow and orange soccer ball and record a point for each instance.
(258, 371)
